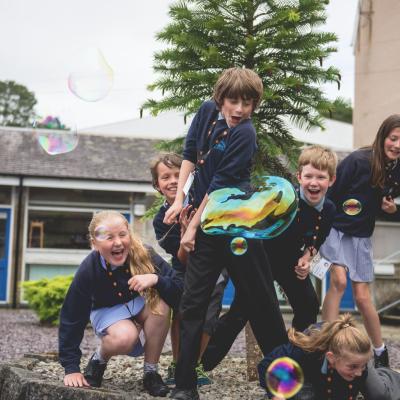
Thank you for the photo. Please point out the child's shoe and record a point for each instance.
(154, 384)
(202, 377)
(170, 379)
(382, 360)
(94, 372)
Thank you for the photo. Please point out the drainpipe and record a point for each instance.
(17, 242)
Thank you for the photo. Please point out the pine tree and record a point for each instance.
(281, 40)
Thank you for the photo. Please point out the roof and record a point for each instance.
(337, 135)
(95, 157)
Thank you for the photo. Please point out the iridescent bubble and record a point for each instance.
(284, 377)
(352, 207)
(92, 78)
(101, 233)
(263, 212)
(239, 246)
(54, 136)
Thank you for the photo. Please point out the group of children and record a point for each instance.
(125, 288)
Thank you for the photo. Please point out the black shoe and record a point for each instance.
(94, 372)
(154, 384)
(185, 394)
(382, 360)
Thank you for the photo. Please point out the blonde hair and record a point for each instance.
(139, 255)
(238, 82)
(340, 336)
(320, 158)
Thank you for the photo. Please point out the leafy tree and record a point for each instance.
(281, 40)
(340, 110)
(16, 104)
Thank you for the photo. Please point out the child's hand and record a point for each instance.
(138, 283)
(76, 379)
(172, 213)
(185, 217)
(302, 269)
(388, 205)
(188, 239)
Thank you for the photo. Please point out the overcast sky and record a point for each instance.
(41, 41)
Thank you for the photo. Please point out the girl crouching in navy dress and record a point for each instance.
(367, 182)
(123, 287)
(336, 361)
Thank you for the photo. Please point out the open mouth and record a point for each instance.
(117, 253)
(235, 119)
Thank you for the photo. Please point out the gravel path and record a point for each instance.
(20, 333)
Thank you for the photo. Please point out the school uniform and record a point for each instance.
(169, 239)
(309, 229)
(223, 158)
(324, 383)
(357, 206)
(101, 292)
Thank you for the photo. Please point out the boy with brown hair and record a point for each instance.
(220, 146)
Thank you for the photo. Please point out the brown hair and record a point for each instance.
(320, 158)
(340, 336)
(238, 82)
(139, 257)
(378, 160)
(171, 160)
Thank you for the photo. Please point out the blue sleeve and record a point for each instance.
(330, 211)
(169, 285)
(190, 150)
(74, 317)
(284, 350)
(241, 146)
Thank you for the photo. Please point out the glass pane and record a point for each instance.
(2, 237)
(5, 195)
(58, 229)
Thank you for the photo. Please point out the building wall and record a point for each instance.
(377, 67)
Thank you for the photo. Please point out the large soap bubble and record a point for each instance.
(262, 213)
(55, 137)
(91, 79)
(284, 377)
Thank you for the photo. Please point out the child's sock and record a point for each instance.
(148, 367)
(97, 356)
(379, 350)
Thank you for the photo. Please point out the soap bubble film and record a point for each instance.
(239, 246)
(55, 137)
(284, 377)
(101, 233)
(91, 78)
(261, 213)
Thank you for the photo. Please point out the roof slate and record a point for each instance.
(95, 157)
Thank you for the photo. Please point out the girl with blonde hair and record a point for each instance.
(122, 286)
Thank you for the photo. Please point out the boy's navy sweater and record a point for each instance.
(311, 364)
(353, 181)
(289, 246)
(171, 242)
(224, 160)
(92, 288)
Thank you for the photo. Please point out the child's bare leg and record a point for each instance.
(205, 338)
(120, 339)
(155, 327)
(363, 299)
(338, 282)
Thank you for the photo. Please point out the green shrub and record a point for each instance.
(46, 297)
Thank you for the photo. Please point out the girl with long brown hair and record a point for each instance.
(367, 182)
(123, 287)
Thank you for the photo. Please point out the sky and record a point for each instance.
(43, 41)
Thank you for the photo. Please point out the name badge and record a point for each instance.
(319, 266)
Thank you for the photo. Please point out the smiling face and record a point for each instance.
(391, 145)
(112, 240)
(348, 365)
(314, 182)
(236, 110)
(167, 181)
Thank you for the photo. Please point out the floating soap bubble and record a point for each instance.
(91, 79)
(54, 136)
(352, 207)
(284, 377)
(261, 213)
(239, 246)
(101, 233)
